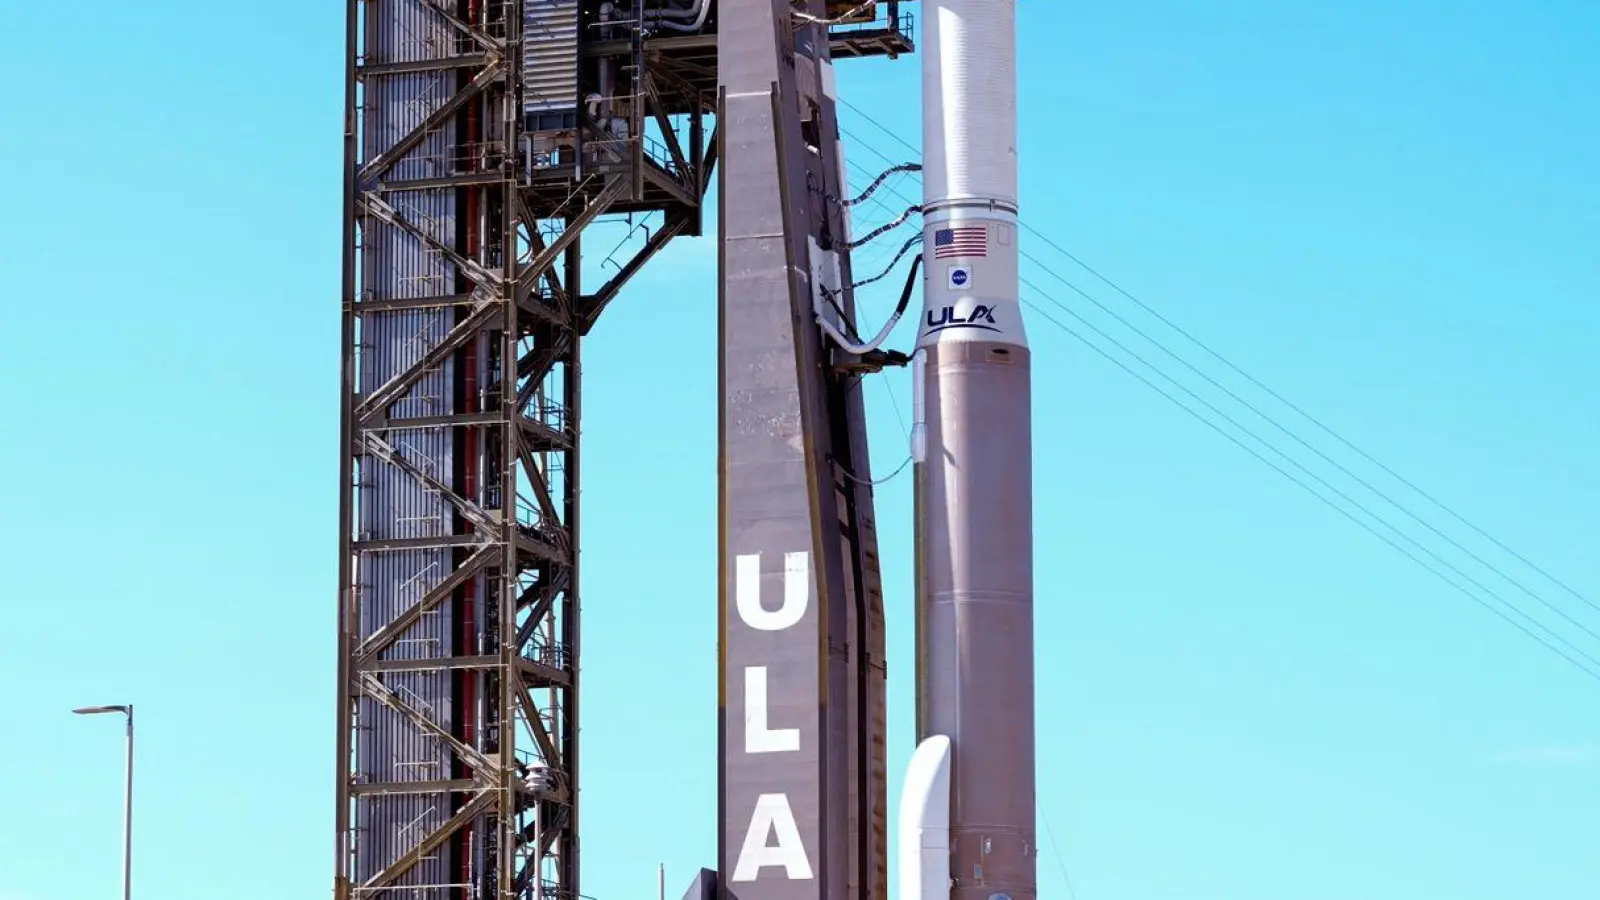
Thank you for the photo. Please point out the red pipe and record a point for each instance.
(469, 448)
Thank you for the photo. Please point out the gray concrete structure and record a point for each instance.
(803, 779)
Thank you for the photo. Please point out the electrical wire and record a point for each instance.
(894, 403)
(1315, 421)
(1312, 475)
(1309, 446)
(905, 248)
(915, 209)
(1356, 504)
(905, 298)
(1312, 491)
(832, 300)
(877, 182)
(885, 175)
(874, 482)
(1291, 405)
(1325, 457)
(1055, 850)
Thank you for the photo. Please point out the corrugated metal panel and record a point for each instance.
(549, 56)
(393, 504)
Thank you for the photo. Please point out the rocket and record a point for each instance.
(966, 820)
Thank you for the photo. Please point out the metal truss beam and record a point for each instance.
(413, 66)
(386, 160)
(595, 304)
(463, 313)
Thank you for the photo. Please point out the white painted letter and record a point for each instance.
(758, 738)
(747, 591)
(772, 814)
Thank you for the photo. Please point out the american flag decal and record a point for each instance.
(966, 240)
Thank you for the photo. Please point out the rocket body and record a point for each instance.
(973, 445)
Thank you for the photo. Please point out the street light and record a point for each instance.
(127, 803)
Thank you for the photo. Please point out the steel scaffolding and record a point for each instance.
(483, 139)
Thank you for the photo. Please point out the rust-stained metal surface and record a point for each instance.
(483, 138)
(472, 172)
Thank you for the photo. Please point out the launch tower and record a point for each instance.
(483, 138)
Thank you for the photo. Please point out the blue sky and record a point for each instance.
(1384, 211)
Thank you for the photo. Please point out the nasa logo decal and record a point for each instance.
(960, 278)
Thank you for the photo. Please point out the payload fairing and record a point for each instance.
(967, 811)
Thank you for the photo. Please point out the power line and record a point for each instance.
(1297, 409)
(1308, 445)
(880, 126)
(894, 402)
(1312, 419)
(1304, 443)
(1055, 850)
(1313, 492)
(1356, 504)
(1298, 465)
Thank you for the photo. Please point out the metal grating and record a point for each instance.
(550, 57)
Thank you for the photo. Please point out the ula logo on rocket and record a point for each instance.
(981, 317)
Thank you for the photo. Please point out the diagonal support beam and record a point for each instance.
(536, 365)
(657, 174)
(594, 305)
(540, 605)
(548, 838)
(536, 247)
(378, 402)
(381, 210)
(602, 201)
(538, 546)
(483, 766)
(385, 637)
(475, 807)
(662, 69)
(541, 491)
(541, 735)
(709, 166)
(373, 171)
(557, 823)
(381, 449)
(485, 40)
(668, 133)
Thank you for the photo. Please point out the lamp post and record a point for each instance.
(127, 802)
